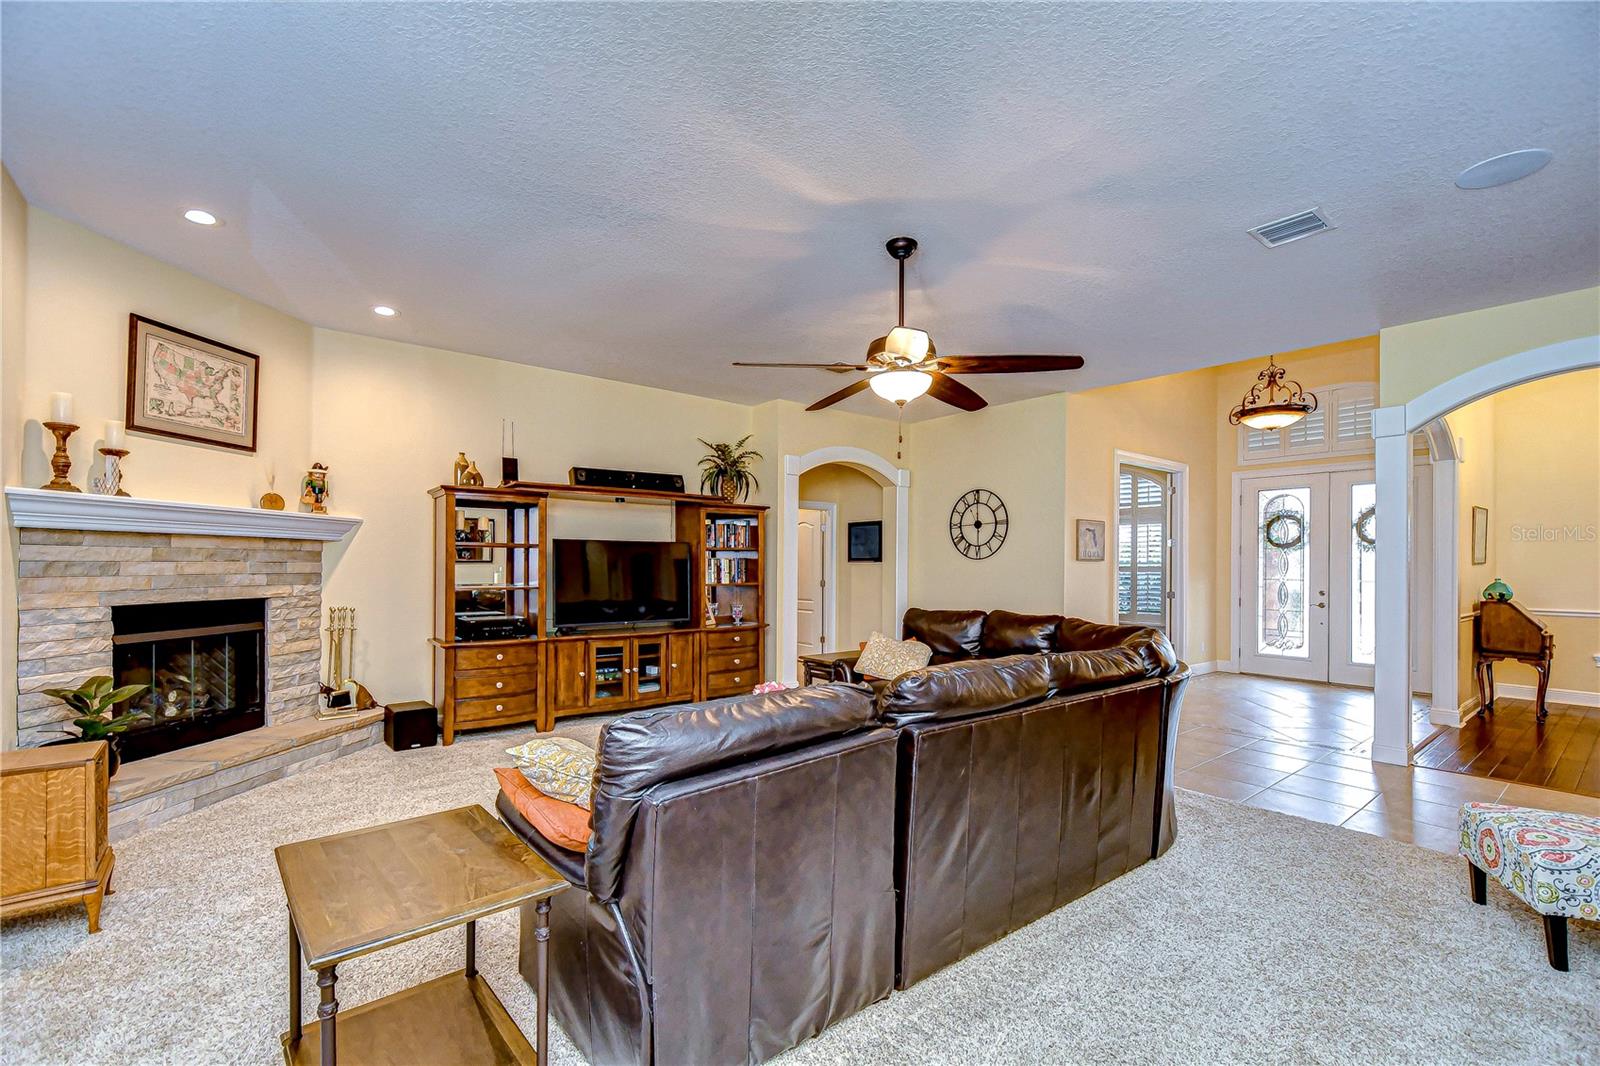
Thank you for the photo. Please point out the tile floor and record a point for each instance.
(1303, 749)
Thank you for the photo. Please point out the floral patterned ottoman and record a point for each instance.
(1548, 859)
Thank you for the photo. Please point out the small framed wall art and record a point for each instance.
(866, 542)
(188, 387)
(1480, 536)
(1091, 540)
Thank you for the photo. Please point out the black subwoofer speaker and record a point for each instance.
(411, 725)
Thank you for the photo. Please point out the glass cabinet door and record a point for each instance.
(649, 677)
(608, 672)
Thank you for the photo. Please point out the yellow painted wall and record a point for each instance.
(13, 308)
(858, 595)
(1544, 524)
(1419, 355)
(1169, 418)
(1017, 450)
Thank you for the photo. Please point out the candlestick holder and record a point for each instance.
(109, 483)
(61, 462)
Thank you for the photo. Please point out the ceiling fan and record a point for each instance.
(903, 363)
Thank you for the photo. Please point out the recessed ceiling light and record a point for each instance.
(1503, 169)
(200, 218)
(384, 311)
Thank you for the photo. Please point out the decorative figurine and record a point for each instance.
(460, 471)
(472, 477)
(711, 612)
(1497, 590)
(315, 489)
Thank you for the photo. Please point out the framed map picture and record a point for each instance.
(182, 385)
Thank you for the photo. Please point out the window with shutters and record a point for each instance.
(1144, 549)
(1341, 425)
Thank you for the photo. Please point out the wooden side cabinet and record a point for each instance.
(53, 811)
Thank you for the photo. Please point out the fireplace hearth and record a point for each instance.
(205, 663)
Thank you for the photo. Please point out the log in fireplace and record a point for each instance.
(205, 663)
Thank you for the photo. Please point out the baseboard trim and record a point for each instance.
(1454, 717)
(1213, 666)
(1576, 697)
(1393, 756)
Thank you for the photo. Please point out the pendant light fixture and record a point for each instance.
(1273, 402)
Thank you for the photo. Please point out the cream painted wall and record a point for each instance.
(858, 594)
(1545, 525)
(1474, 429)
(388, 420)
(1340, 363)
(1017, 450)
(1420, 355)
(81, 288)
(1169, 418)
(13, 321)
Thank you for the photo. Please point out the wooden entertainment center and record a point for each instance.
(490, 573)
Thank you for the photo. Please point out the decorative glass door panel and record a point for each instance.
(608, 672)
(1284, 556)
(1353, 609)
(649, 677)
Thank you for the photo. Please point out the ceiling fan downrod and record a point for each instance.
(900, 249)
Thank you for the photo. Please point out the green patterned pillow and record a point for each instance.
(559, 767)
(888, 658)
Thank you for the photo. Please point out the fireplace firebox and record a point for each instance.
(205, 663)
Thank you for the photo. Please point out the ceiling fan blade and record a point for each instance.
(1007, 364)
(843, 394)
(837, 368)
(955, 394)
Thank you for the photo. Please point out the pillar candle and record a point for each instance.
(61, 407)
(116, 436)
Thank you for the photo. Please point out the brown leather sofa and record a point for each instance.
(763, 867)
(737, 895)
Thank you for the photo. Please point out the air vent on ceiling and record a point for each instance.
(1284, 230)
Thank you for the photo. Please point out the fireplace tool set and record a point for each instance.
(342, 695)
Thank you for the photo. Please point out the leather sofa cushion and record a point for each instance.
(953, 635)
(1009, 633)
(1152, 645)
(961, 689)
(563, 823)
(639, 751)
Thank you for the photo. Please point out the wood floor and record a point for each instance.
(1509, 743)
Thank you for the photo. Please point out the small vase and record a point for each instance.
(1497, 590)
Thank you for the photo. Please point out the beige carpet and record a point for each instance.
(1259, 938)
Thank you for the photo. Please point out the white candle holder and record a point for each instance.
(109, 483)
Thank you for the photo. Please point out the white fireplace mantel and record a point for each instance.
(49, 509)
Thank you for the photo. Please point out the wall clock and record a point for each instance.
(978, 524)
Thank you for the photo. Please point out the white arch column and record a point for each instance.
(896, 484)
(1392, 428)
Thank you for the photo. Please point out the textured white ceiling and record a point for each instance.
(648, 191)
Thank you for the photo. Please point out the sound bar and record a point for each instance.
(625, 479)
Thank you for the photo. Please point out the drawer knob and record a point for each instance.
(499, 706)
(583, 673)
(737, 680)
(499, 684)
(499, 655)
(736, 662)
(737, 639)
(674, 666)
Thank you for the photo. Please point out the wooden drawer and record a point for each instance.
(728, 640)
(736, 661)
(732, 682)
(496, 656)
(491, 711)
(496, 683)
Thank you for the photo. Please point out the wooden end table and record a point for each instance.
(354, 893)
(828, 666)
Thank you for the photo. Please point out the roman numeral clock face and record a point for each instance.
(978, 524)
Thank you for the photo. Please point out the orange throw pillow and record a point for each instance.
(566, 825)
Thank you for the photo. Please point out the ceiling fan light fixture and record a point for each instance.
(900, 386)
(907, 344)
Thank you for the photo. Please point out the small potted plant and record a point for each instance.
(95, 701)
(726, 470)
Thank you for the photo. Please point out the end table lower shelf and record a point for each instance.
(451, 1019)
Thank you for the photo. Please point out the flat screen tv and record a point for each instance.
(618, 582)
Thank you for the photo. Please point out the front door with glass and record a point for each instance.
(1307, 597)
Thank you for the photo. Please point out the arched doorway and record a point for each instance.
(1392, 428)
(895, 484)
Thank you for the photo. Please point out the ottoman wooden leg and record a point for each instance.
(1480, 884)
(1555, 940)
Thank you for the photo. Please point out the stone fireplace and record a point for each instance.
(218, 608)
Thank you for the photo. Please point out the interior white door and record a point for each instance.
(810, 590)
(1352, 602)
(1284, 599)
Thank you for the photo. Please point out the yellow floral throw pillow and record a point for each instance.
(888, 658)
(557, 766)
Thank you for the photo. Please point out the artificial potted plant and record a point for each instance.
(95, 701)
(725, 471)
